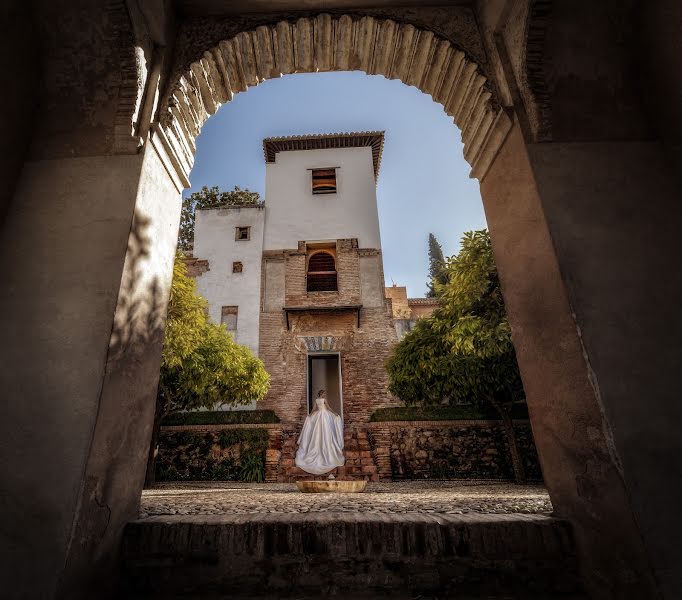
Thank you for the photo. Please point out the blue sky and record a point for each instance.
(424, 183)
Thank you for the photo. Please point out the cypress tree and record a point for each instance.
(437, 272)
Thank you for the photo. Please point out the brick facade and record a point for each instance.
(363, 349)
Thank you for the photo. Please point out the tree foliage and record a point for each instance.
(437, 273)
(464, 351)
(201, 365)
(209, 198)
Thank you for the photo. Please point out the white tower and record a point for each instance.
(322, 188)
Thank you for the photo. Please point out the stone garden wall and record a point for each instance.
(213, 452)
(474, 449)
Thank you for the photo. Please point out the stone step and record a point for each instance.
(360, 463)
(349, 554)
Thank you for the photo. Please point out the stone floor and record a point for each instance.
(439, 497)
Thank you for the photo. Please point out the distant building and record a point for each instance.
(407, 311)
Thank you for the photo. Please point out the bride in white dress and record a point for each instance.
(320, 445)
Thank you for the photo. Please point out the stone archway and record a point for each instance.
(415, 56)
(581, 199)
(419, 57)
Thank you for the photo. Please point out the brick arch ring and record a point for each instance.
(415, 56)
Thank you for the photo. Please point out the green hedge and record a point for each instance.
(220, 417)
(444, 413)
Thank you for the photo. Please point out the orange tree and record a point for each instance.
(464, 351)
(201, 364)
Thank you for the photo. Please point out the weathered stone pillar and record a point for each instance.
(89, 244)
(613, 211)
(574, 434)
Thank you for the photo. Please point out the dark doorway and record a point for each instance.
(324, 373)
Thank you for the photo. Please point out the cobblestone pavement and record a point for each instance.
(439, 497)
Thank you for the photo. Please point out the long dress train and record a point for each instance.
(320, 445)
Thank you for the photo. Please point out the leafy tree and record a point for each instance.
(209, 198)
(201, 365)
(437, 274)
(464, 351)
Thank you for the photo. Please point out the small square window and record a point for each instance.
(324, 181)
(237, 267)
(228, 317)
(242, 234)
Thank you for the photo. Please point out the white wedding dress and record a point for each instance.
(320, 445)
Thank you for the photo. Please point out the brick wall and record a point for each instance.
(363, 350)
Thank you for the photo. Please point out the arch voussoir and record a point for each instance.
(418, 57)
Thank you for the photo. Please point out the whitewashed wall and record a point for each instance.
(294, 213)
(214, 240)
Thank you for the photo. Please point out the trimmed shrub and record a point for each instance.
(459, 412)
(221, 417)
(254, 438)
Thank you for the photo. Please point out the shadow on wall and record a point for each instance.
(141, 311)
(116, 464)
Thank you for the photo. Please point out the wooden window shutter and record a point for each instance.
(322, 275)
(324, 181)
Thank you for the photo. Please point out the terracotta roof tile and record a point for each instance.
(424, 301)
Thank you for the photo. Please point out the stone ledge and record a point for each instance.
(444, 424)
(221, 426)
(438, 520)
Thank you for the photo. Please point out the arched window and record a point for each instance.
(322, 272)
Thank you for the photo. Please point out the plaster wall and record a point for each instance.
(295, 214)
(403, 326)
(117, 460)
(372, 281)
(214, 240)
(67, 231)
(273, 285)
(623, 288)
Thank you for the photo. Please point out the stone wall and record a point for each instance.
(212, 452)
(380, 451)
(452, 449)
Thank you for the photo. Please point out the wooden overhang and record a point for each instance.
(371, 139)
(322, 309)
